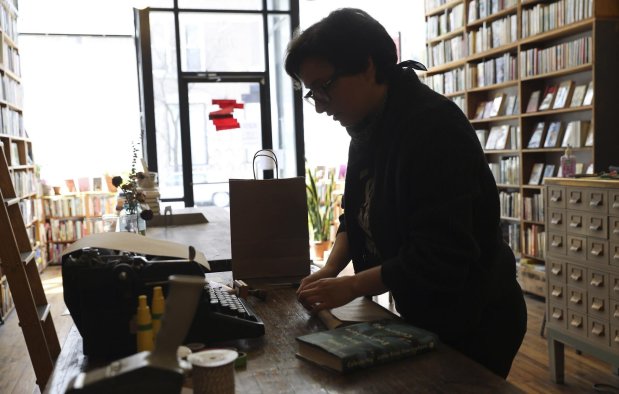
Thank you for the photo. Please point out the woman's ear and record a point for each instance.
(370, 71)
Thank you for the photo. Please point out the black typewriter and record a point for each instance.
(101, 289)
(222, 316)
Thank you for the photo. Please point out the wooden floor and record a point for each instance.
(529, 372)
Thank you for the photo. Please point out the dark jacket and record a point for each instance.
(434, 214)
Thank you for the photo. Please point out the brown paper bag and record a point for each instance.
(268, 230)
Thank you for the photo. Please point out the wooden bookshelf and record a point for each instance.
(601, 27)
(18, 149)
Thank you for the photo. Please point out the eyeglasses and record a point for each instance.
(321, 93)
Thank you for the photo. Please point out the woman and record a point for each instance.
(421, 205)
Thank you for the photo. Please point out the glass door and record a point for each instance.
(225, 123)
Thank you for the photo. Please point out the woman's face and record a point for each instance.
(348, 98)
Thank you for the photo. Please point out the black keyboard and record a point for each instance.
(222, 316)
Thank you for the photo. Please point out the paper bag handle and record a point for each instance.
(265, 153)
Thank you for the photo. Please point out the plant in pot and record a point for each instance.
(320, 210)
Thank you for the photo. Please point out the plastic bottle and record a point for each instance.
(145, 326)
(568, 163)
(158, 309)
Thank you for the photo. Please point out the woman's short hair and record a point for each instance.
(346, 39)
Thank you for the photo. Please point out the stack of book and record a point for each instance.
(546, 17)
(538, 61)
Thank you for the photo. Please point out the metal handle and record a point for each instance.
(576, 299)
(598, 330)
(576, 322)
(597, 282)
(598, 305)
(596, 252)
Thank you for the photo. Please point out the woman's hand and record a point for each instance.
(327, 293)
(324, 272)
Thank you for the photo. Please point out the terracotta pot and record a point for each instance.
(320, 247)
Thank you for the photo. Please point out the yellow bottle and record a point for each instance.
(145, 325)
(158, 309)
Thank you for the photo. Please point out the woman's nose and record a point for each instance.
(320, 107)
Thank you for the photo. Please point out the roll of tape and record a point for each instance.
(213, 371)
(241, 360)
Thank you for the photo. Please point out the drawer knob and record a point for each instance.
(595, 227)
(616, 230)
(556, 270)
(616, 256)
(574, 200)
(595, 203)
(575, 248)
(597, 251)
(598, 305)
(576, 276)
(598, 330)
(617, 338)
(616, 204)
(576, 299)
(556, 292)
(575, 224)
(556, 243)
(558, 221)
(557, 314)
(576, 322)
(557, 198)
(616, 314)
(597, 282)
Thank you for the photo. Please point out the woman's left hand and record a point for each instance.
(328, 293)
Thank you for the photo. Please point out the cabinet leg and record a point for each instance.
(556, 359)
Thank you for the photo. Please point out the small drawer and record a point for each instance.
(557, 220)
(614, 287)
(597, 200)
(597, 306)
(613, 228)
(557, 316)
(556, 243)
(577, 299)
(577, 247)
(556, 293)
(614, 254)
(598, 331)
(577, 276)
(596, 225)
(614, 311)
(575, 199)
(613, 202)
(576, 222)
(577, 323)
(597, 283)
(614, 336)
(556, 271)
(597, 251)
(556, 197)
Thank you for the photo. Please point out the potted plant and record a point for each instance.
(320, 210)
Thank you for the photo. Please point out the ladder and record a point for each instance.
(17, 260)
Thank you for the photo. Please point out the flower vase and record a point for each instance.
(320, 247)
(131, 222)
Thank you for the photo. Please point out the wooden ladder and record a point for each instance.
(18, 264)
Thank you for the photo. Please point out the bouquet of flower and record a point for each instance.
(133, 197)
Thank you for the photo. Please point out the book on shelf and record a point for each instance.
(365, 344)
(533, 101)
(536, 174)
(538, 135)
(492, 138)
(510, 105)
(15, 154)
(580, 168)
(549, 171)
(564, 94)
(575, 133)
(590, 170)
(479, 112)
(588, 100)
(578, 96)
(549, 98)
(498, 105)
(70, 183)
(84, 184)
(487, 109)
(501, 142)
(589, 139)
(481, 135)
(553, 135)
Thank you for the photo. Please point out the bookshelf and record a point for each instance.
(511, 49)
(69, 217)
(17, 146)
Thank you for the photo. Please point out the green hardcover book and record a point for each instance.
(365, 344)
